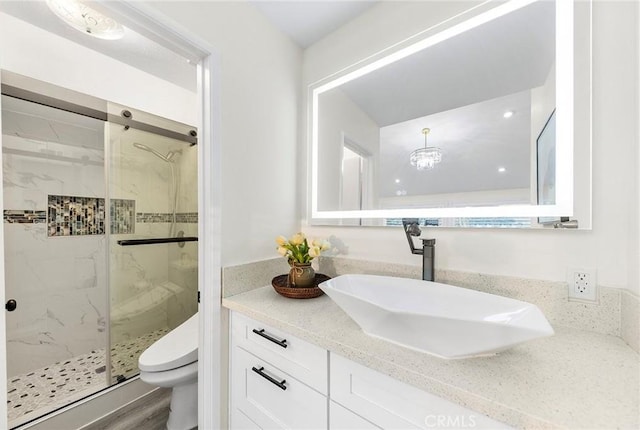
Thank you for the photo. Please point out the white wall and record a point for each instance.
(611, 247)
(260, 79)
(634, 214)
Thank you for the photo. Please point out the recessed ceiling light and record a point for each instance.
(86, 20)
(397, 181)
(502, 169)
(508, 114)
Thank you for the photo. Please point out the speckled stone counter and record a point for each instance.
(574, 379)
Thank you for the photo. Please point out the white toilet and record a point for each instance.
(172, 361)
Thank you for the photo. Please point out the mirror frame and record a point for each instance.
(564, 205)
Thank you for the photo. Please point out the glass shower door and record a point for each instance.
(55, 257)
(100, 236)
(153, 274)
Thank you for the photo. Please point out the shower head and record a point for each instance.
(171, 154)
(166, 158)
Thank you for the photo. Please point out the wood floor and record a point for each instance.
(149, 413)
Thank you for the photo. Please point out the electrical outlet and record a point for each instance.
(582, 285)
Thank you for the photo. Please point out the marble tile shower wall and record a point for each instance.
(135, 272)
(184, 261)
(60, 282)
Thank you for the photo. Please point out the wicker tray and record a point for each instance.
(281, 285)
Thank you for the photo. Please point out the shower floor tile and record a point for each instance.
(124, 355)
(36, 393)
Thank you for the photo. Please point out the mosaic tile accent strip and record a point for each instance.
(25, 217)
(75, 216)
(158, 217)
(153, 217)
(123, 216)
(187, 217)
(43, 390)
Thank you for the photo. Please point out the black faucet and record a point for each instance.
(412, 228)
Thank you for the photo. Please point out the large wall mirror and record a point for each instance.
(483, 122)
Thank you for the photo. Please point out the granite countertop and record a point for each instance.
(574, 379)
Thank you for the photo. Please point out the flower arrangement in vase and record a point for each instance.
(299, 254)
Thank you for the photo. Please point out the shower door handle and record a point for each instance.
(11, 305)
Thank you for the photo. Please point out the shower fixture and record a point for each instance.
(166, 158)
(169, 158)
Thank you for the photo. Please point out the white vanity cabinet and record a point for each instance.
(345, 419)
(279, 381)
(391, 404)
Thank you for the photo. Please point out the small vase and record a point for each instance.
(302, 275)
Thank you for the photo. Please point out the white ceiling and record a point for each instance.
(507, 55)
(306, 22)
(475, 141)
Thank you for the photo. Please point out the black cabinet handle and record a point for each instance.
(11, 305)
(279, 384)
(282, 343)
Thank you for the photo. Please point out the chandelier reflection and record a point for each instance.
(427, 157)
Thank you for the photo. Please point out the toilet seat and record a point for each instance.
(177, 348)
(172, 378)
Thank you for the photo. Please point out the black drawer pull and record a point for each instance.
(280, 384)
(282, 343)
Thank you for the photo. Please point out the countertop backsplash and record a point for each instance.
(630, 319)
(616, 314)
(249, 276)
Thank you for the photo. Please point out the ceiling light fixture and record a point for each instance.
(86, 20)
(508, 114)
(427, 157)
(502, 169)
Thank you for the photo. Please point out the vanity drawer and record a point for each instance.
(265, 397)
(392, 404)
(341, 418)
(300, 359)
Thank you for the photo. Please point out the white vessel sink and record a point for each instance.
(439, 319)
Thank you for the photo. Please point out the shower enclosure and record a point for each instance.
(100, 225)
